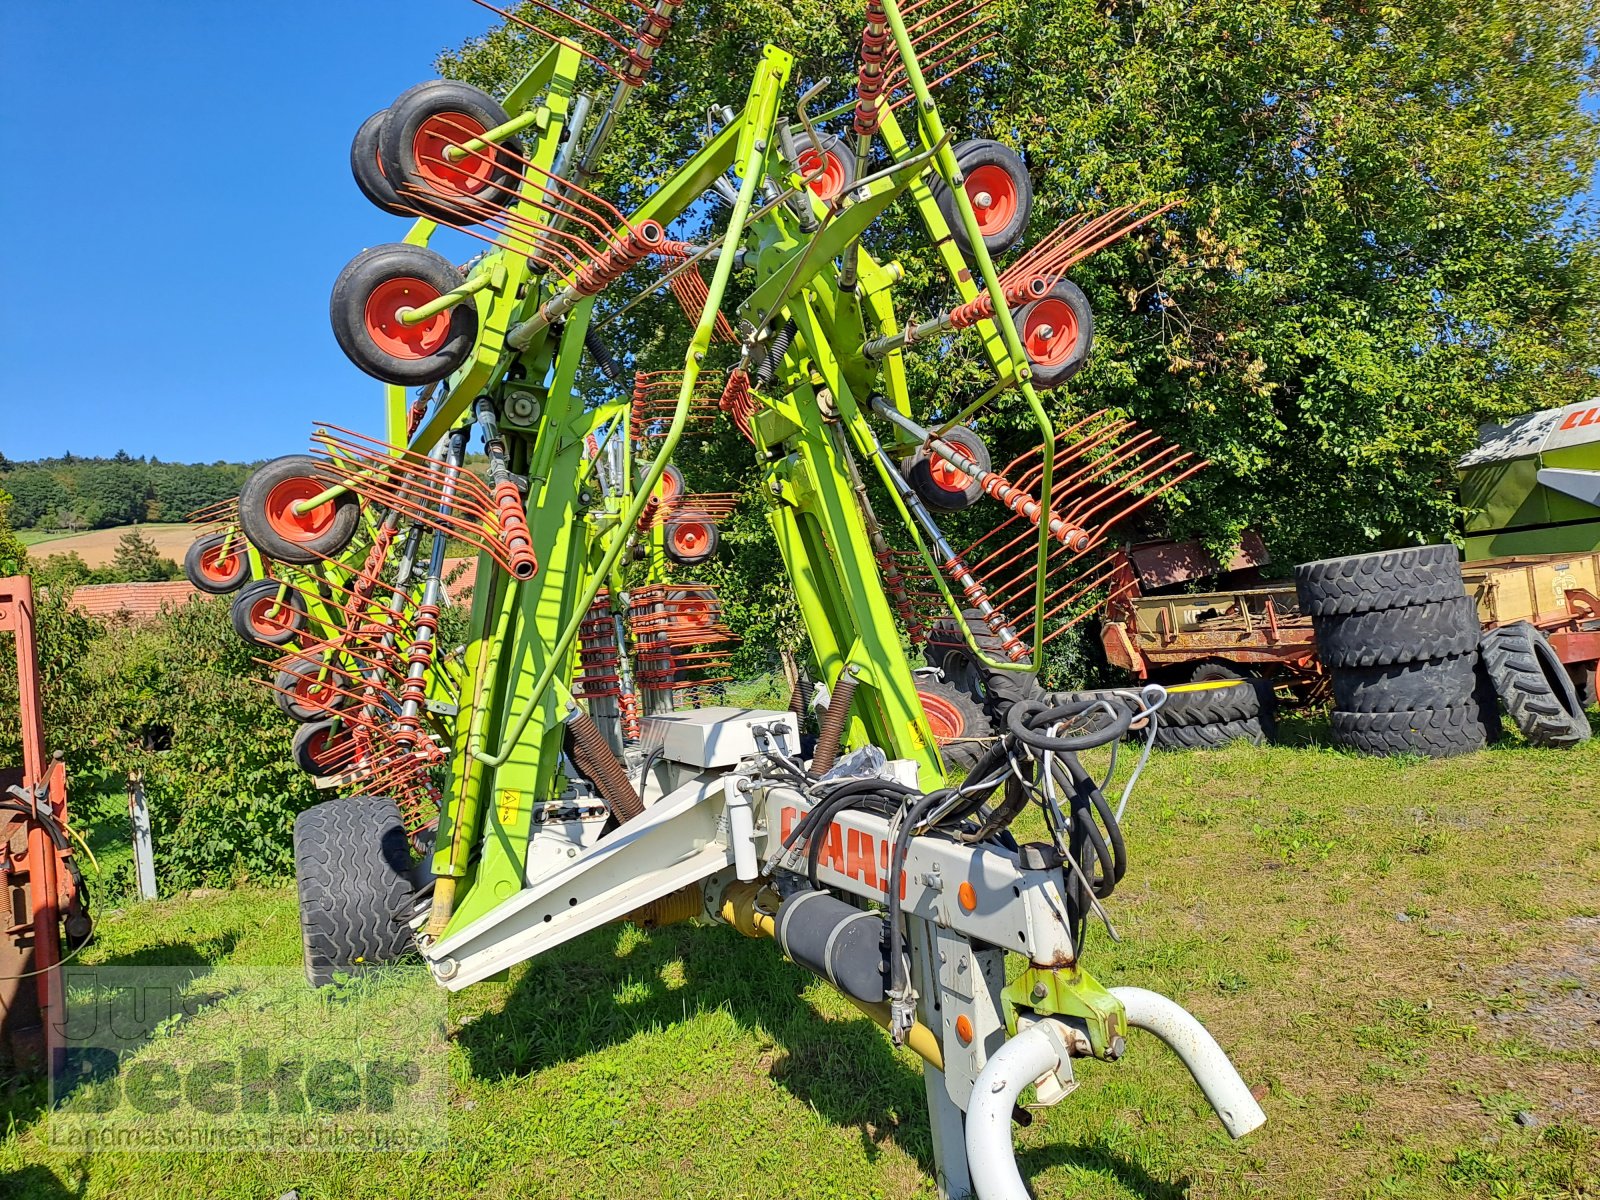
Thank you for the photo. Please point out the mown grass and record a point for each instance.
(1402, 955)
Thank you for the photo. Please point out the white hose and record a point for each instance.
(1179, 1028)
(991, 1156)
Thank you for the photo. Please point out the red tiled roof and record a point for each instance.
(135, 599)
(469, 576)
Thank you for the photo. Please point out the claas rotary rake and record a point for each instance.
(571, 763)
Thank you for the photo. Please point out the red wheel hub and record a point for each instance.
(995, 197)
(947, 475)
(313, 691)
(271, 617)
(284, 500)
(832, 180)
(428, 160)
(392, 335)
(219, 567)
(944, 718)
(1050, 332)
(690, 537)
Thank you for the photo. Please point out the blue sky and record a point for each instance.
(167, 261)
(167, 269)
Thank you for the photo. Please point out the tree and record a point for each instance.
(13, 554)
(1379, 245)
(138, 561)
(36, 496)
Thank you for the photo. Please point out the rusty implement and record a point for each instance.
(45, 896)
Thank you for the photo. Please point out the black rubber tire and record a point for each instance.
(396, 147)
(685, 557)
(1406, 687)
(352, 866)
(999, 690)
(957, 748)
(1431, 733)
(1359, 583)
(247, 615)
(919, 473)
(972, 156)
(842, 165)
(670, 487)
(1398, 635)
(220, 584)
(1533, 685)
(347, 312)
(290, 682)
(1211, 702)
(1209, 737)
(1055, 370)
(321, 748)
(264, 494)
(1584, 683)
(367, 168)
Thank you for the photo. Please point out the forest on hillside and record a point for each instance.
(74, 492)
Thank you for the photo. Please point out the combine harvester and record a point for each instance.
(568, 767)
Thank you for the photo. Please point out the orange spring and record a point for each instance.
(629, 704)
(514, 533)
(610, 266)
(981, 307)
(652, 35)
(871, 77)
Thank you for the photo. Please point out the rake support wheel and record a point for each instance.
(421, 125)
(837, 164)
(997, 185)
(264, 618)
(269, 504)
(367, 167)
(370, 299)
(307, 690)
(691, 538)
(1057, 331)
(217, 563)
(941, 484)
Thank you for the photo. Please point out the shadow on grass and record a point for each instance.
(26, 1097)
(1097, 1154)
(39, 1183)
(844, 1069)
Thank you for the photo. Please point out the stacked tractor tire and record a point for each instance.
(1411, 669)
(1398, 635)
(1215, 710)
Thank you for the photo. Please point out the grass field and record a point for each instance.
(1404, 957)
(99, 546)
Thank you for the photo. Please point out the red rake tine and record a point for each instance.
(558, 39)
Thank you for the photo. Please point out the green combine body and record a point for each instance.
(1533, 485)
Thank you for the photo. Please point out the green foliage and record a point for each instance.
(13, 554)
(177, 699)
(98, 493)
(138, 561)
(1377, 248)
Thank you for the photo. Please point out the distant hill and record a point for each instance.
(75, 493)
